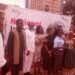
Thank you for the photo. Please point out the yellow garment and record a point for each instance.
(16, 47)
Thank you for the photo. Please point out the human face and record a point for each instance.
(31, 27)
(60, 32)
(19, 23)
(41, 30)
(51, 32)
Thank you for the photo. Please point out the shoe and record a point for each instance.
(29, 74)
(26, 73)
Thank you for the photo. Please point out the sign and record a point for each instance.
(35, 17)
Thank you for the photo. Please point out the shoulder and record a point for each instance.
(14, 30)
(27, 30)
(12, 33)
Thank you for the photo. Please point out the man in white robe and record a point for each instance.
(30, 49)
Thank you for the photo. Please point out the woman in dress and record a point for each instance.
(58, 52)
(46, 52)
(69, 56)
(38, 43)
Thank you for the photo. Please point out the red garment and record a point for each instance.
(0, 72)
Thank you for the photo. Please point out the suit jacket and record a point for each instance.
(15, 47)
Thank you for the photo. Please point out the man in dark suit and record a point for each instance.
(15, 47)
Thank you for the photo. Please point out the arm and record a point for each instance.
(48, 51)
(27, 42)
(2, 59)
(47, 44)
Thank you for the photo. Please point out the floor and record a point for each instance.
(63, 72)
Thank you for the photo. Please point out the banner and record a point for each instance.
(35, 17)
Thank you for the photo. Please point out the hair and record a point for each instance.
(48, 29)
(18, 20)
(69, 35)
(38, 30)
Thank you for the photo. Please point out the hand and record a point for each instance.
(50, 54)
(28, 52)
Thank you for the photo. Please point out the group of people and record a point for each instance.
(53, 50)
(19, 50)
(58, 51)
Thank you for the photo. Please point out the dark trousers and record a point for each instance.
(15, 69)
(5, 69)
(57, 61)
